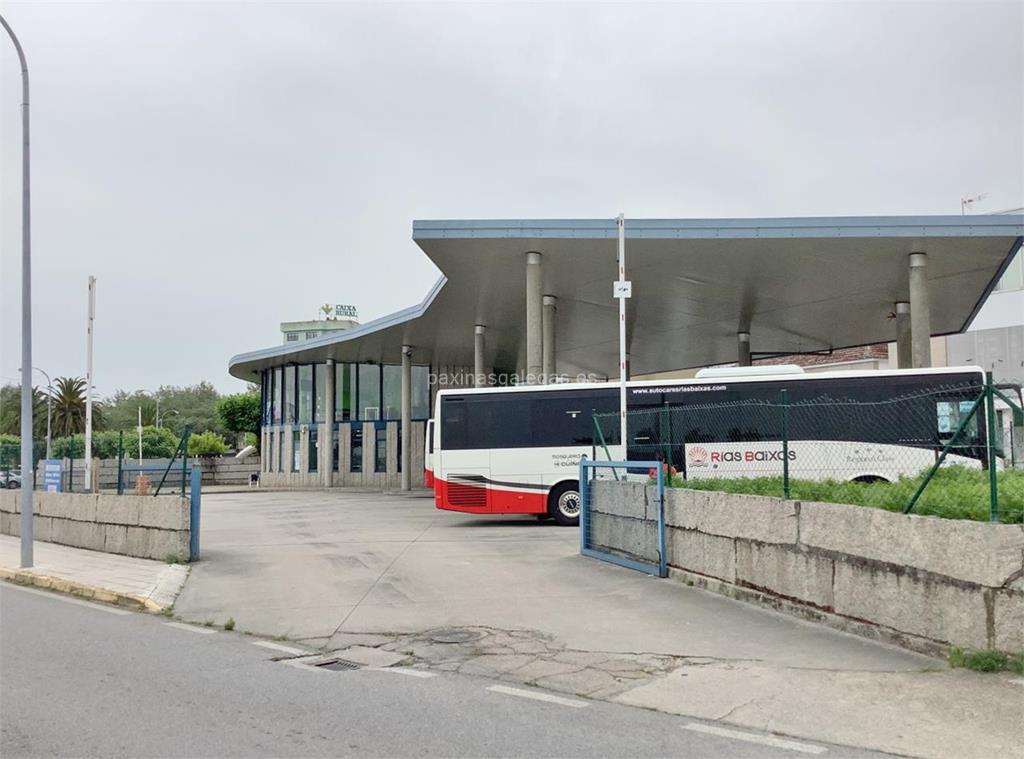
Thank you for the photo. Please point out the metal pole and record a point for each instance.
(406, 455)
(88, 385)
(140, 435)
(621, 222)
(26, 311)
(990, 425)
(784, 399)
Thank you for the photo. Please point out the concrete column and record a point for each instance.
(478, 355)
(406, 415)
(904, 352)
(327, 435)
(743, 349)
(548, 352)
(920, 312)
(534, 318)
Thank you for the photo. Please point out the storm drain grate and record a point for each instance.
(336, 665)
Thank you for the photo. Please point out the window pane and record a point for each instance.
(421, 392)
(305, 394)
(296, 449)
(369, 391)
(392, 392)
(356, 449)
(313, 449)
(398, 430)
(335, 449)
(320, 374)
(344, 389)
(380, 458)
(289, 395)
(275, 399)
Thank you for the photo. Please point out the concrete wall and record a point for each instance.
(277, 470)
(922, 582)
(217, 470)
(142, 526)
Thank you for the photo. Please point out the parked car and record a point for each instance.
(10, 480)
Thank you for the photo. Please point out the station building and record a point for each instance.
(531, 301)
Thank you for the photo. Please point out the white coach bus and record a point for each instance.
(516, 450)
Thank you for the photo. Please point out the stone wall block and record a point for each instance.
(786, 572)
(710, 555)
(1008, 607)
(978, 552)
(912, 603)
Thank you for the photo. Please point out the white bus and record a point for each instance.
(516, 450)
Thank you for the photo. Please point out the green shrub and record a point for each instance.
(985, 661)
(954, 493)
(206, 444)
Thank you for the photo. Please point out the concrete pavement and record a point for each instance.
(107, 577)
(131, 685)
(337, 570)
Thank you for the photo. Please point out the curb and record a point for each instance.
(81, 590)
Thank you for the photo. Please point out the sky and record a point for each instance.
(222, 167)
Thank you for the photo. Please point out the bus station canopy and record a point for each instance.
(794, 284)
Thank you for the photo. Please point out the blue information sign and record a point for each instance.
(52, 479)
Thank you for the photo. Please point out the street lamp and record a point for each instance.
(49, 411)
(26, 310)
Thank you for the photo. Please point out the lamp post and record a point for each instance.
(26, 311)
(49, 412)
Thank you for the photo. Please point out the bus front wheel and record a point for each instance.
(564, 504)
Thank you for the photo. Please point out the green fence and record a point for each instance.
(10, 463)
(951, 451)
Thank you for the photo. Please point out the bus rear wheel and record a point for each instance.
(564, 504)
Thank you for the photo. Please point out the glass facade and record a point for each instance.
(275, 396)
(392, 393)
(344, 391)
(355, 460)
(320, 396)
(368, 391)
(362, 392)
(288, 401)
(305, 394)
(313, 450)
(380, 453)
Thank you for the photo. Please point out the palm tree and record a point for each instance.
(10, 411)
(69, 407)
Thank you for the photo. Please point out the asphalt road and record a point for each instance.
(80, 679)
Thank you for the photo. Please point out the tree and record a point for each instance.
(10, 411)
(206, 444)
(69, 407)
(240, 413)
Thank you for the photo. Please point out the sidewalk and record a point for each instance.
(106, 577)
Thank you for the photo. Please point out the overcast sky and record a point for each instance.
(222, 167)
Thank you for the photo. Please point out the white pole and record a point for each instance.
(88, 385)
(621, 221)
(140, 435)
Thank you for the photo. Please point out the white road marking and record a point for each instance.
(405, 671)
(764, 740)
(58, 597)
(278, 647)
(191, 628)
(537, 695)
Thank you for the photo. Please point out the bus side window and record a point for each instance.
(950, 414)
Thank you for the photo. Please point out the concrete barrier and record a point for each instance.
(217, 470)
(922, 582)
(141, 526)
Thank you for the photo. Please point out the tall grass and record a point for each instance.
(954, 492)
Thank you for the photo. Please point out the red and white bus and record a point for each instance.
(516, 450)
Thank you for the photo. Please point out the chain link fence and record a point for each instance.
(951, 451)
